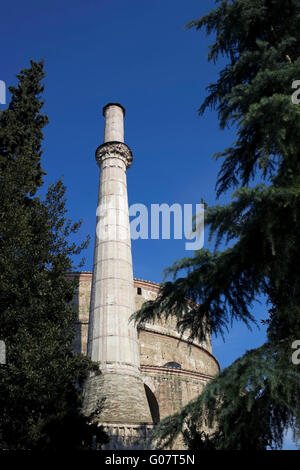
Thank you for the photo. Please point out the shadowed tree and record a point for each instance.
(40, 385)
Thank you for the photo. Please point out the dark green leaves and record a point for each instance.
(253, 401)
(41, 383)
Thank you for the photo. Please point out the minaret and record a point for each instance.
(112, 340)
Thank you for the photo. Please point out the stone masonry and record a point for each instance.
(167, 388)
(112, 340)
(146, 374)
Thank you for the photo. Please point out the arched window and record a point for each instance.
(153, 405)
(173, 365)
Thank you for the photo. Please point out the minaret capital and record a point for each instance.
(110, 150)
(109, 105)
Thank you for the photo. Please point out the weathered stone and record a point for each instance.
(147, 374)
(112, 340)
(167, 388)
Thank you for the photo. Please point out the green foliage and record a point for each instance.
(252, 402)
(247, 407)
(41, 383)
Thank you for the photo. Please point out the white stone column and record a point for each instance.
(114, 122)
(112, 338)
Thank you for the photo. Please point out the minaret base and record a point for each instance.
(122, 399)
(128, 436)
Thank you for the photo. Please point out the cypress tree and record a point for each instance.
(41, 382)
(255, 400)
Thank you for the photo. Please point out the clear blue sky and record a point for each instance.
(139, 54)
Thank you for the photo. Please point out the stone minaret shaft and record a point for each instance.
(112, 338)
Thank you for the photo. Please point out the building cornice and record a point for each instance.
(148, 285)
(174, 371)
(178, 337)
